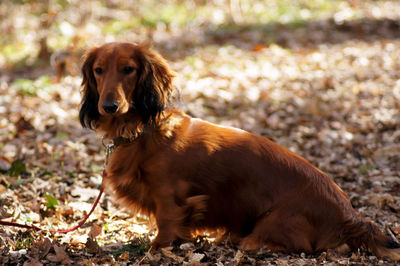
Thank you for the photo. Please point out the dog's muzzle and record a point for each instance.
(110, 107)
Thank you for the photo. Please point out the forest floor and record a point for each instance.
(328, 89)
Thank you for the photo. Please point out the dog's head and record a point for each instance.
(122, 77)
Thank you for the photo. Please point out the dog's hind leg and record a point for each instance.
(278, 232)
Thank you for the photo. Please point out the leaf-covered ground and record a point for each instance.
(327, 88)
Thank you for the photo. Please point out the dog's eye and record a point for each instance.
(128, 70)
(98, 70)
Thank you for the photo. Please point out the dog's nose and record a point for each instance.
(110, 106)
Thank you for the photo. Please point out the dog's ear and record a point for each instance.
(89, 112)
(154, 84)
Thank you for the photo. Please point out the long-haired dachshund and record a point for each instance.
(192, 175)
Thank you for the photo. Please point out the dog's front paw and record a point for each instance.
(249, 243)
(161, 242)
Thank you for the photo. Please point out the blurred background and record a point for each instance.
(33, 31)
(321, 77)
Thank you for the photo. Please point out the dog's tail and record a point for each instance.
(365, 234)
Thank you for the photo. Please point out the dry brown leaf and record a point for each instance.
(2, 188)
(238, 257)
(168, 253)
(186, 246)
(92, 246)
(196, 257)
(95, 230)
(52, 258)
(282, 262)
(23, 126)
(355, 256)
(11, 243)
(154, 258)
(84, 193)
(396, 230)
(5, 165)
(61, 256)
(124, 256)
(44, 247)
(33, 262)
(259, 47)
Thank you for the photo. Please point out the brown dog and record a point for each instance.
(190, 174)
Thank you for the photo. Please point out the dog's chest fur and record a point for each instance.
(126, 178)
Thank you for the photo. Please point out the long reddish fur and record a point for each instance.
(194, 175)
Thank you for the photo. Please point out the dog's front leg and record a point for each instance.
(170, 220)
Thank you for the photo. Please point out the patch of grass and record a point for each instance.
(24, 241)
(71, 174)
(17, 168)
(61, 135)
(28, 219)
(117, 26)
(365, 168)
(286, 11)
(137, 247)
(177, 13)
(15, 52)
(106, 227)
(45, 173)
(265, 16)
(297, 23)
(30, 87)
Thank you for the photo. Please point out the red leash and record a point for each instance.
(61, 231)
(19, 225)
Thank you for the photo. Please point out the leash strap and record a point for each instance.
(109, 149)
(61, 231)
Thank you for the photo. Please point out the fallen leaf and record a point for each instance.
(396, 230)
(2, 188)
(155, 258)
(124, 256)
(95, 230)
(51, 201)
(196, 257)
(92, 246)
(259, 47)
(238, 257)
(67, 212)
(23, 126)
(84, 193)
(187, 246)
(44, 247)
(61, 256)
(4, 165)
(168, 253)
(33, 262)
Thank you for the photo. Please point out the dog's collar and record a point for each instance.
(110, 147)
(122, 140)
